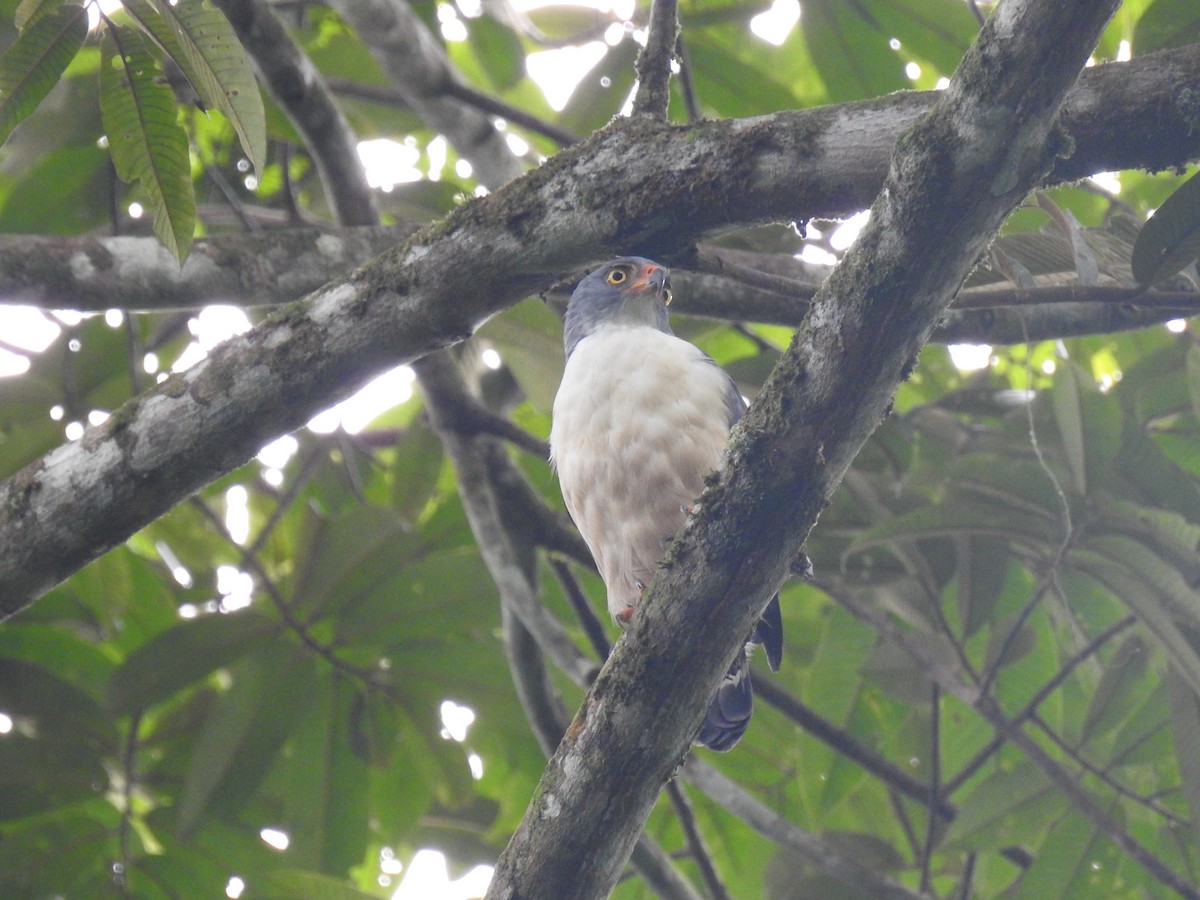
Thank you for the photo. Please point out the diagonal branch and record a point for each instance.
(420, 71)
(605, 194)
(298, 87)
(954, 178)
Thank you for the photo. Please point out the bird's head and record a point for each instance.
(631, 291)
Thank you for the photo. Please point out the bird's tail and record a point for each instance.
(730, 710)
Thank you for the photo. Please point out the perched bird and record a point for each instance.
(640, 419)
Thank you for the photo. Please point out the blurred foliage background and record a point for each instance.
(311, 647)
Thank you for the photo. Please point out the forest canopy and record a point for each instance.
(289, 593)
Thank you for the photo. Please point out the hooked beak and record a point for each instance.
(653, 278)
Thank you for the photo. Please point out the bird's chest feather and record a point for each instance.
(640, 418)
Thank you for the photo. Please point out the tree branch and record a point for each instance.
(603, 195)
(954, 178)
(297, 86)
(814, 849)
(419, 70)
(654, 62)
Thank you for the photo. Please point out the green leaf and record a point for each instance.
(981, 576)
(240, 738)
(29, 11)
(498, 50)
(1068, 413)
(1125, 580)
(721, 76)
(57, 711)
(325, 784)
(344, 559)
(1193, 377)
(1063, 864)
(1166, 24)
(182, 655)
(202, 42)
(66, 192)
(1185, 729)
(1018, 801)
(1170, 240)
(851, 51)
(295, 884)
(34, 62)
(419, 458)
(1121, 686)
(603, 91)
(529, 339)
(148, 146)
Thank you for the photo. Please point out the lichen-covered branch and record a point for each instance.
(954, 178)
(634, 186)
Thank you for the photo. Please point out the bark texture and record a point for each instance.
(636, 186)
(952, 181)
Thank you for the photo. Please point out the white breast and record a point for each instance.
(640, 418)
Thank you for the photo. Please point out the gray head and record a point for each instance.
(631, 291)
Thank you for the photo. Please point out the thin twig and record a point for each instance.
(368, 677)
(125, 826)
(988, 707)
(654, 62)
(695, 841)
(935, 778)
(812, 848)
(583, 609)
(1088, 651)
(850, 747)
(687, 87)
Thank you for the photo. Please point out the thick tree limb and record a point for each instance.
(265, 268)
(953, 180)
(634, 186)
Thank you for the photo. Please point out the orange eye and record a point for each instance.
(617, 276)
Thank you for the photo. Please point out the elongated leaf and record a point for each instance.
(1120, 687)
(240, 738)
(1010, 802)
(182, 655)
(148, 146)
(295, 884)
(33, 64)
(1068, 413)
(326, 783)
(1185, 729)
(1193, 377)
(980, 517)
(1171, 238)
(1165, 24)
(1075, 860)
(1149, 608)
(207, 50)
(498, 49)
(29, 11)
(846, 44)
